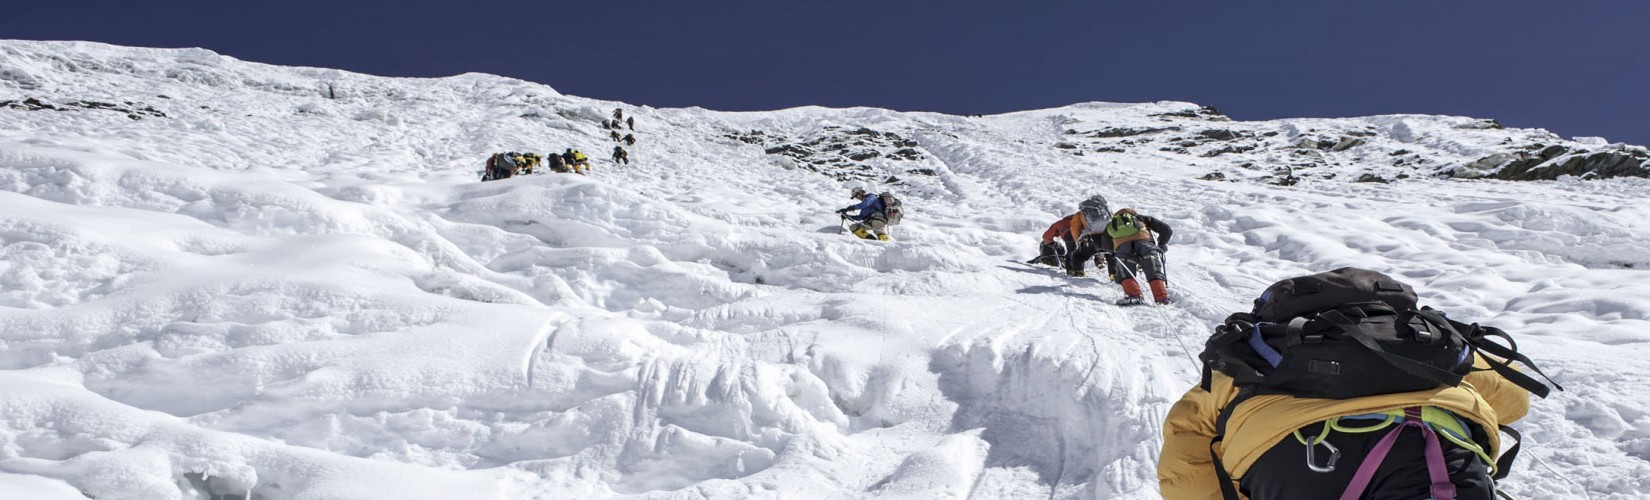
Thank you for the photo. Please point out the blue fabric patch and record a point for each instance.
(1265, 351)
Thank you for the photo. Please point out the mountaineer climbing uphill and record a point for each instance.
(875, 213)
(1086, 242)
(576, 160)
(1314, 392)
(1052, 251)
(529, 162)
(557, 164)
(1133, 245)
(503, 166)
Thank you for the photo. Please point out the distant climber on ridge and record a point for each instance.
(620, 156)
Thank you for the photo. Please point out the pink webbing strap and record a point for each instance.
(1442, 488)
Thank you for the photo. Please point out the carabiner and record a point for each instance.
(1312, 460)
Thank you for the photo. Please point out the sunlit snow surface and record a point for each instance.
(272, 291)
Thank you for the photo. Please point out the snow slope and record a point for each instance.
(221, 278)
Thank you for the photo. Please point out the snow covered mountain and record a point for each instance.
(222, 279)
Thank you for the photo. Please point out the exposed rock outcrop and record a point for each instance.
(1552, 162)
(840, 153)
(133, 110)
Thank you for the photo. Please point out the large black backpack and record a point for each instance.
(1352, 333)
(1349, 333)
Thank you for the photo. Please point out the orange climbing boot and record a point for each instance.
(1130, 287)
(1160, 291)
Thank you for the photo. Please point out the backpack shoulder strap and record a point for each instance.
(1503, 465)
(1227, 491)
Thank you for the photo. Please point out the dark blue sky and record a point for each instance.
(1573, 67)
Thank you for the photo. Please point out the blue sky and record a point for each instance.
(1576, 68)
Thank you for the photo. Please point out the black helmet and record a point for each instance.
(1094, 205)
(858, 193)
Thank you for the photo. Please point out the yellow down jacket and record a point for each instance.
(1186, 472)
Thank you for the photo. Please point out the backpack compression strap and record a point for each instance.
(1477, 336)
(1410, 366)
(1503, 355)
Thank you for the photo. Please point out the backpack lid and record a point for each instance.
(1304, 295)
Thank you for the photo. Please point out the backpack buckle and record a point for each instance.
(1424, 334)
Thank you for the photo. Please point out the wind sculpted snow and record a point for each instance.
(289, 284)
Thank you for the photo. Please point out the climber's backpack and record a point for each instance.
(892, 208)
(501, 166)
(1125, 224)
(1351, 333)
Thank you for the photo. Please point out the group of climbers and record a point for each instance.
(619, 121)
(507, 165)
(1131, 244)
(620, 155)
